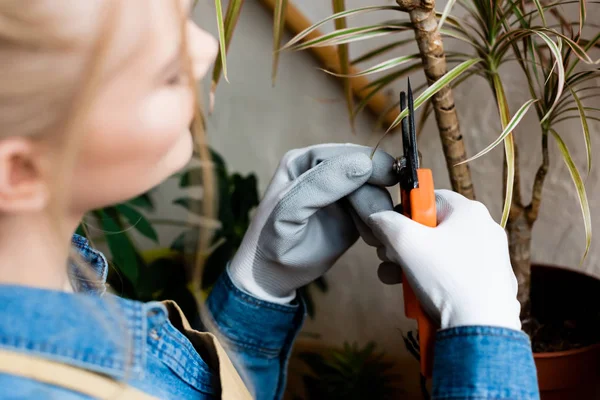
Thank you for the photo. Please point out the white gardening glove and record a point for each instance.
(460, 271)
(304, 223)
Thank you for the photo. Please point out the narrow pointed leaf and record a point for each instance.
(509, 150)
(384, 66)
(560, 70)
(581, 193)
(582, 15)
(278, 28)
(424, 116)
(350, 35)
(222, 41)
(428, 93)
(586, 130)
(342, 14)
(446, 12)
(436, 87)
(380, 83)
(231, 17)
(344, 59)
(540, 9)
(381, 50)
(507, 130)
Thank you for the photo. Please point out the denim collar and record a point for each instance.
(105, 334)
(98, 266)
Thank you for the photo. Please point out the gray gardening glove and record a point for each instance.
(304, 223)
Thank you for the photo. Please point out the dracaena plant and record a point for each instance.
(226, 23)
(548, 47)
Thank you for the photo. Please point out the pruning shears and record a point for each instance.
(418, 203)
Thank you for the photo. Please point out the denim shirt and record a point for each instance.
(136, 342)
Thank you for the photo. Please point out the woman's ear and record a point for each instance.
(23, 187)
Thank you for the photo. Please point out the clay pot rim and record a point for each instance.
(565, 353)
(569, 269)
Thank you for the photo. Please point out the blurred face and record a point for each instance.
(138, 133)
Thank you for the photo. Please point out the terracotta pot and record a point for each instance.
(559, 294)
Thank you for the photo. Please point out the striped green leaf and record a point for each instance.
(222, 41)
(380, 51)
(350, 35)
(342, 14)
(436, 87)
(515, 120)
(509, 147)
(540, 9)
(378, 84)
(586, 129)
(581, 193)
(231, 17)
(344, 59)
(278, 29)
(384, 66)
(446, 13)
(582, 15)
(560, 70)
(428, 93)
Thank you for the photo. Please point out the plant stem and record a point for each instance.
(429, 40)
(533, 208)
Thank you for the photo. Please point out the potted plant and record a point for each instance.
(349, 372)
(550, 50)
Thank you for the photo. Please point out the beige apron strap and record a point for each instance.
(68, 377)
(232, 386)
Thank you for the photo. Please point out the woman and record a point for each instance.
(96, 98)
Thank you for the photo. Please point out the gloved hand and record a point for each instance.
(460, 271)
(304, 224)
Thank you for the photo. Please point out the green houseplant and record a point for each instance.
(550, 50)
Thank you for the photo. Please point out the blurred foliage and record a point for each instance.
(350, 373)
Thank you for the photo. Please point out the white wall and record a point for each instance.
(254, 125)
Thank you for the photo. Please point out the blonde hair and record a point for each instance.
(47, 88)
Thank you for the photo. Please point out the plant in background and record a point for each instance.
(350, 373)
(164, 272)
(547, 47)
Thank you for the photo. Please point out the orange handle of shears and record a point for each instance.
(421, 209)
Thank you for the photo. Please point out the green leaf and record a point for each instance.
(192, 205)
(381, 50)
(581, 193)
(138, 221)
(350, 35)
(509, 147)
(344, 60)
(124, 254)
(446, 12)
(540, 9)
(436, 87)
(383, 66)
(559, 65)
(222, 39)
(586, 130)
(228, 26)
(582, 15)
(278, 28)
(507, 130)
(143, 201)
(342, 14)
